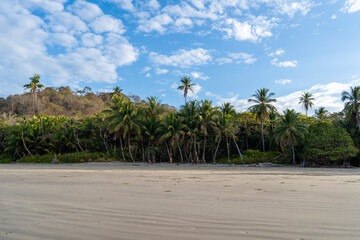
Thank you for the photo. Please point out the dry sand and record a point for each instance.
(122, 201)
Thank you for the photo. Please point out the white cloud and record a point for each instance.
(182, 58)
(156, 23)
(47, 5)
(283, 81)
(276, 62)
(161, 71)
(146, 69)
(199, 75)
(253, 29)
(291, 7)
(333, 16)
(243, 57)
(124, 4)
(326, 95)
(154, 4)
(66, 22)
(224, 60)
(351, 6)
(91, 40)
(27, 50)
(85, 10)
(107, 23)
(278, 52)
(148, 75)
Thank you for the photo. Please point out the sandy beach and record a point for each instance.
(125, 201)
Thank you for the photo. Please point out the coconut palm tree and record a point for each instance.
(186, 86)
(352, 103)
(262, 108)
(306, 100)
(34, 85)
(207, 121)
(117, 91)
(290, 130)
(190, 113)
(171, 130)
(321, 112)
(225, 126)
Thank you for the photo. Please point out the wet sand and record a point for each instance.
(125, 201)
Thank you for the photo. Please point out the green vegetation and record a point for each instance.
(59, 125)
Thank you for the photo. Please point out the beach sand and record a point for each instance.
(125, 201)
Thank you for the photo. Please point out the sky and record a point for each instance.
(229, 48)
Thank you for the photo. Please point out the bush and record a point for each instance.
(69, 158)
(328, 145)
(5, 158)
(254, 157)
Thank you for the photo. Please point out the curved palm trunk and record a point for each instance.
(204, 150)
(153, 153)
(169, 152)
(217, 148)
(131, 156)
(122, 149)
(196, 153)
(181, 156)
(242, 160)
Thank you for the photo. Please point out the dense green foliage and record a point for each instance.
(84, 126)
(326, 144)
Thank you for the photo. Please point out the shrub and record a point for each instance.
(69, 158)
(328, 145)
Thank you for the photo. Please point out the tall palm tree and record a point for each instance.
(207, 121)
(321, 112)
(226, 126)
(34, 85)
(186, 86)
(262, 108)
(306, 100)
(352, 103)
(190, 114)
(116, 92)
(172, 129)
(290, 130)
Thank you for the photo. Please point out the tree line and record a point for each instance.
(130, 129)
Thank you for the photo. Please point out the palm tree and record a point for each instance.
(306, 100)
(186, 85)
(321, 112)
(226, 127)
(262, 108)
(352, 103)
(290, 130)
(190, 113)
(34, 85)
(171, 129)
(117, 91)
(207, 121)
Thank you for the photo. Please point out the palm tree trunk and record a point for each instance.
(293, 154)
(242, 160)
(153, 154)
(228, 148)
(122, 149)
(169, 153)
(262, 135)
(217, 148)
(22, 137)
(181, 156)
(131, 156)
(196, 153)
(204, 150)
(357, 120)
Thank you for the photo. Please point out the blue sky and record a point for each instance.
(229, 48)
